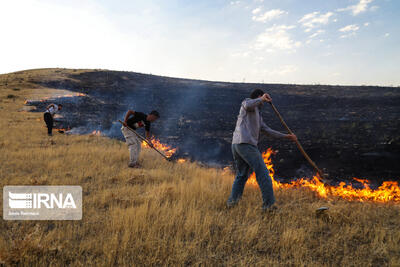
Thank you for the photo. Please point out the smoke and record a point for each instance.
(198, 118)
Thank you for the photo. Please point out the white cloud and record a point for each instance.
(387, 34)
(276, 38)
(366, 24)
(314, 19)
(256, 10)
(269, 15)
(349, 28)
(356, 9)
(315, 34)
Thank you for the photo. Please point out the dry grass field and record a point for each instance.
(169, 213)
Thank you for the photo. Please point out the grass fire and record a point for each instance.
(174, 211)
(389, 191)
(54, 98)
(227, 133)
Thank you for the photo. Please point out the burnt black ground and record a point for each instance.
(350, 131)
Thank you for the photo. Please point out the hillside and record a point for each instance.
(350, 131)
(168, 213)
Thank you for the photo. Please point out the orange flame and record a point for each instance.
(71, 95)
(55, 97)
(389, 191)
(166, 149)
(96, 132)
(227, 170)
(62, 129)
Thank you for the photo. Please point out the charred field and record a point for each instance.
(349, 131)
(167, 213)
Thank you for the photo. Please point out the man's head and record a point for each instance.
(59, 106)
(256, 93)
(154, 115)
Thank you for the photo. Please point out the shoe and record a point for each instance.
(269, 208)
(50, 134)
(134, 165)
(230, 205)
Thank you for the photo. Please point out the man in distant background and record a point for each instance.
(246, 155)
(135, 120)
(49, 115)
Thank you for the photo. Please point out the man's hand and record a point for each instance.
(291, 137)
(266, 98)
(124, 123)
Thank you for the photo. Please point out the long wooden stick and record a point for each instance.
(298, 143)
(144, 139)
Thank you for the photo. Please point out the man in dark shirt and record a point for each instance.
(48, 116)
(136, 120)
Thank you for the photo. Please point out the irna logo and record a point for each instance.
(39, 200)
(42, 202)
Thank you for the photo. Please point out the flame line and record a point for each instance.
(389, 191)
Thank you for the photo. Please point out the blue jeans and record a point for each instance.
(247, 157)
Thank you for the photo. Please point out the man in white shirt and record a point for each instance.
(48, 116)
(245, 152)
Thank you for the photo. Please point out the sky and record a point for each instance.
(346, 42)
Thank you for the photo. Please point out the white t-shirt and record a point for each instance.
(52, 110)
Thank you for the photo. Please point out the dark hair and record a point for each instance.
(60, 105)
(256, 93)
(155, 113)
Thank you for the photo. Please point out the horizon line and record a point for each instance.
(203, 80)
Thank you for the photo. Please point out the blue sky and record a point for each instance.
(352, 42)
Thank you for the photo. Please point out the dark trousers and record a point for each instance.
(48, 119)
(248, 158)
